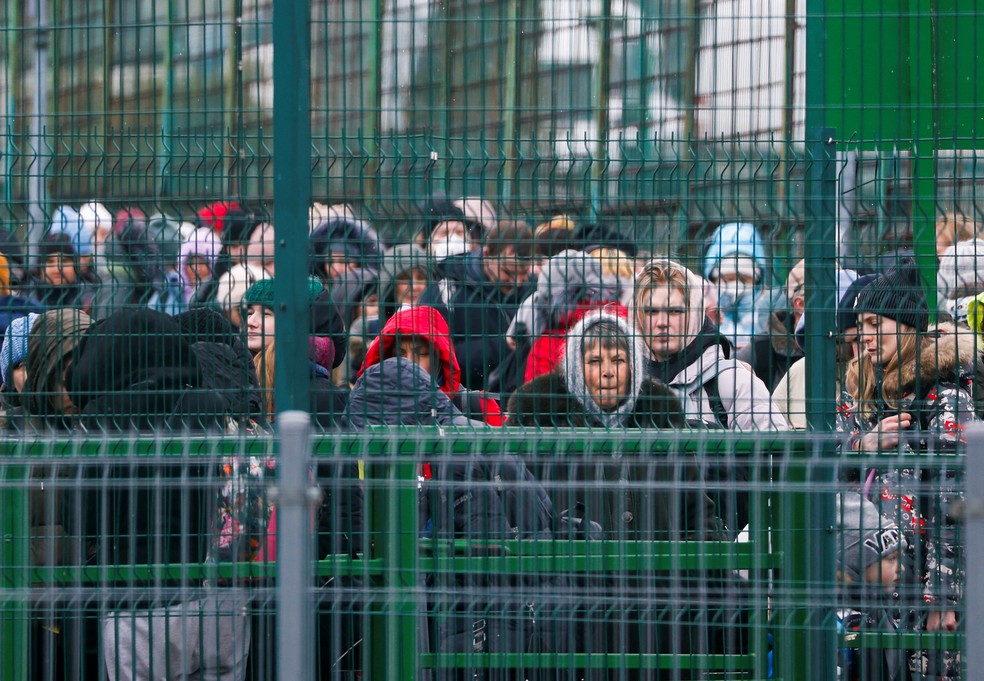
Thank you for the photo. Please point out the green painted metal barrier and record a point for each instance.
(781, 601)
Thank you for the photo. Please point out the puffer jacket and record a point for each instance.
(472, 497)
(427, 323)
(742, 401)
(135, 372)
(921, 499)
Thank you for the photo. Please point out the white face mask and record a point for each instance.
(731, 291)
(452, 244)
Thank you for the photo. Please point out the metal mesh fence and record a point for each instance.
(652, 236)
(450, 555)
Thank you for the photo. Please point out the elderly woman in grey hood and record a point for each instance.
(571, 284)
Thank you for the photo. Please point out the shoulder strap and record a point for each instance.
(714, 398)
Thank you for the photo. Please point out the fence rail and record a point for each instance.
(408, 576)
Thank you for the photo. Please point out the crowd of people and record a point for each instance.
(129, 322)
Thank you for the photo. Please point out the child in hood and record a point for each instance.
(421, 335)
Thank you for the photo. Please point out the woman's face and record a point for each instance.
(410, 286)
(259, 327)
(663, 320)
(19, 377)
(59, 270)
(417, 350)
(880, 337)
(449, 238)
(606, 375)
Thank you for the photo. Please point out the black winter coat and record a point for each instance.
(478, 315)
(635, 498)
(135, 372)
(672, 508)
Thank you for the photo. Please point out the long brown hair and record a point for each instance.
(862, 379)
(264, 363)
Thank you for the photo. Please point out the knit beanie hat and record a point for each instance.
(261, 293)
(66, 220)
(165, 232)
(732, 240)
(898, 295)
(847, 317)
(201, 242)
(232, 285)
(961, 270)
(14, 350)
(261, 245)
(214, 215)
(864, 536)
(321, 351)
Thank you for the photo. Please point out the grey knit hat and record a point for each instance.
(864, 536)
(961, 270)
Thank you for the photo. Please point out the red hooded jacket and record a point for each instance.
(547, 350)
(427, 323)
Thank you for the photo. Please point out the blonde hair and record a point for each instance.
(560, 222)
(264, 363)
(861, 379)
(615, 263)
(952, 228)
(662, 273)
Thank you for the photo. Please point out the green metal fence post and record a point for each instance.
(514, 65)
(925, 97)
(15, 558)
(372, 107)
(292, 196)
(599, 161)
(391, 503)
(821, 373)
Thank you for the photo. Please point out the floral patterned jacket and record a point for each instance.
(921, 496)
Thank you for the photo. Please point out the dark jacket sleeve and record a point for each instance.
(340, 519)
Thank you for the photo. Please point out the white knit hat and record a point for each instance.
(961, 270)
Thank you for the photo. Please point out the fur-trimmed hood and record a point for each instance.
(545, 401)
(945, 354)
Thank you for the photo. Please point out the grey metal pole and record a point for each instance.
(973, 534)
(295, 496)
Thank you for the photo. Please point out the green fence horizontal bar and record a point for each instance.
(905, 640)
(594, 556)
(101, 574)
(585, 661)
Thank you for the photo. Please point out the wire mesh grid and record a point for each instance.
(648, 238)
(579, 555)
